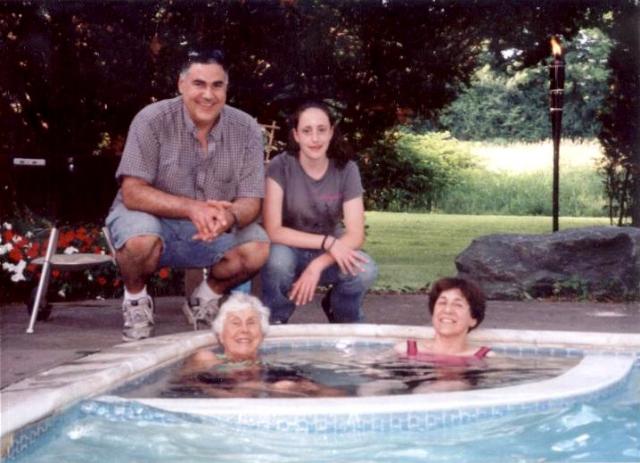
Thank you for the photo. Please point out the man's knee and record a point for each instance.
(247, 258)
(144, 248)
(253, 255)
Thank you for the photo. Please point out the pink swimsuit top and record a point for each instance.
(444, 359)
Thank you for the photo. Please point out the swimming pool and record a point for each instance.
(583, 414)
(342, 367)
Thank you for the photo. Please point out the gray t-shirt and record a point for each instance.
(314, 206)
(163, 150)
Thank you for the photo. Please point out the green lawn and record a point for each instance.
(413, 250)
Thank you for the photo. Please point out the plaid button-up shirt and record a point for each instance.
(162, 149)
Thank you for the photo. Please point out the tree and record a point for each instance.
(513, 105)
(620, 135)
(86, 70)
(73, 76)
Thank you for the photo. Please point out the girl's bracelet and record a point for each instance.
(332, 243)
(324, 240)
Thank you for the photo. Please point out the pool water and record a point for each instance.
(607, 430)
(346, 368)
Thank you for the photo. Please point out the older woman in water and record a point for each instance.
(457, 306)
(240, 326)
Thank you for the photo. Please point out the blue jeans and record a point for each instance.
(179, 249)
(285, 265)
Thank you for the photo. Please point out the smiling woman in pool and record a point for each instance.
(457, 306)
(240, 326)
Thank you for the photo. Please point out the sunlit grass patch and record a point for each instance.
(413, 250)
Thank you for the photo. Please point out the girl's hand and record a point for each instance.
(349, 260)
(305, 286)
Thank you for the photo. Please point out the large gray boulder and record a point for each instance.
(601, 262)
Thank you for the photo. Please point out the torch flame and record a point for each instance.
(556, 49)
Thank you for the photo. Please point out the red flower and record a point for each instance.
(15, 255)
(33, 251)
(21, 242)
(55, 273)
(65, 239)
(164, 273)
(7, 235)
(101, 280)
(116, 282)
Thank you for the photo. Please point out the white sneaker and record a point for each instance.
(200, 313)
(138, 319)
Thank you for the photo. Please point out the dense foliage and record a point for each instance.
(508, 105)
(74, 73)
(620, 134)
(408, 171)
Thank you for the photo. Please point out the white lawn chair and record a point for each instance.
(51, 260)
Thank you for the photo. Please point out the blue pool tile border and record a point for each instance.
(25, 439)
(405, 421)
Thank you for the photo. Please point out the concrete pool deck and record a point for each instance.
(79, 328)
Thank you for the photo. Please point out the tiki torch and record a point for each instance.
(556, 92)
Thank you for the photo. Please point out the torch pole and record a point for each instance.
(556, 93)
(555, 194)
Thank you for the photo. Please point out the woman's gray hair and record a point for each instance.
(237, 302)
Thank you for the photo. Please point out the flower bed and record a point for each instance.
(23, 241)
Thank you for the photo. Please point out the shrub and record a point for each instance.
(406, 171)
